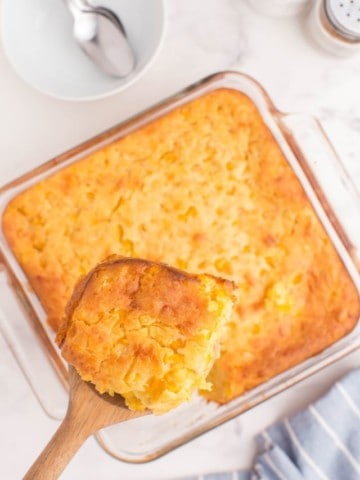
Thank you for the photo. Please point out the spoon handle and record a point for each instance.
(75, 6)
(66, 441)
(87, 412)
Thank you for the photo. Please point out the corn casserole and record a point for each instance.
(146, 331)
(207, 189)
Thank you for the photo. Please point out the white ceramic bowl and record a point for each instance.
(37, 39)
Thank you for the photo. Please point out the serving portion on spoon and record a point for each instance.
(139, 329)
(102, 37)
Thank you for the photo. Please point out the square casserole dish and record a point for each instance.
(24, 323)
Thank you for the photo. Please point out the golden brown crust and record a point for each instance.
(180, 306)
(145, 330)
(206, 189)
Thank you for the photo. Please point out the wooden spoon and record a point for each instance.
(88, 411)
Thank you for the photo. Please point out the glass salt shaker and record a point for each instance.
(335, 26)
(278, 8)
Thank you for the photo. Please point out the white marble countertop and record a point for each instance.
(203, 36)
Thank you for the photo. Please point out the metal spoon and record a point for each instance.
(101, 35)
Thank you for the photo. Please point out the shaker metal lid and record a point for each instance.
(344, 15)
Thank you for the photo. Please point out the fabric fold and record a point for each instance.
(321, 442)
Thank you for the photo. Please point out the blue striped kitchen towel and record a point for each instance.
(321, 442)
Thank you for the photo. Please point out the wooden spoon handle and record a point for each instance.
(87, 412)
(59, 451)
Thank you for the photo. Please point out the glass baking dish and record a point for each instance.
(23, 321)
